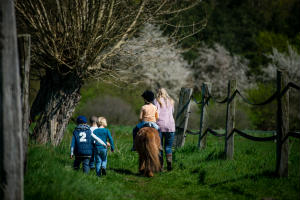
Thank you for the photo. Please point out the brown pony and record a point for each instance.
(147, 143)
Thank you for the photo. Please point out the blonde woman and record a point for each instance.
(165, 106)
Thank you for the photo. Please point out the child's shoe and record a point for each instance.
(103, 171)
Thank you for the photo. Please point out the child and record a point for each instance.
(148, 115)
(81, 144)
(101, 152)
(93, 122)
(165, 106)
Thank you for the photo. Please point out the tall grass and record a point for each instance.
(196, 175)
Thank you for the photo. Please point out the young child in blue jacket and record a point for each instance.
(94, 126)
(100, 151)
(81, 145)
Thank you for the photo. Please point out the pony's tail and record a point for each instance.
(152, 152)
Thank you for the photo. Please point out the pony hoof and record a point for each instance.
(150, 174)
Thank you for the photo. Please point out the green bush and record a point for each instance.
(110, 101)
(266, 41)
(114, 109)
(217, 116)
(262, 117)
(294, 115)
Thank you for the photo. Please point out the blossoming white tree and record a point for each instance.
(289, 61)
(216, 65)
(155, 60)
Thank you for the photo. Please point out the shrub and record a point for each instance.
(194, 117)
(263, 117)
(217, 116)
(116, 110)
(128, 93)
(294, 117)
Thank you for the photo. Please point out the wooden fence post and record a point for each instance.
(11, 148)
(206, 89)
(282, 151)
(24, 44)
(182, 116)
(230, 120)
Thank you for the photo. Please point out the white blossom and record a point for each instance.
(289, 61)
(216, 65)
(155, 60)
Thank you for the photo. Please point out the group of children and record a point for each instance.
(158, 113)
(90, 144)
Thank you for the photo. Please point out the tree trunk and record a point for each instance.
(54, 106)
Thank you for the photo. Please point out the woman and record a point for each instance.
(165, 106)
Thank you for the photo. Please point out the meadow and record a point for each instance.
(197, 174)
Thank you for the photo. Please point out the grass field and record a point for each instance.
(196, 174)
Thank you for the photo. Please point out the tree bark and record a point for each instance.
(54, 106)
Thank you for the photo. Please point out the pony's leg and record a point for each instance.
(141, 164)
(159, 145)
(149, 173)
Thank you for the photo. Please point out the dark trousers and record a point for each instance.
(92, 160)
(85, 163)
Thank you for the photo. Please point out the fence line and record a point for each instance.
(281, 95)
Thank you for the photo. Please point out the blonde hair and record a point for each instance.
(102, 121)
(162, 94)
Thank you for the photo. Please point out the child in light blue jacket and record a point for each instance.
(101, 151)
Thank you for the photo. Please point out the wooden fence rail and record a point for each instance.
(282, 131)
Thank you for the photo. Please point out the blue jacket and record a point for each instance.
(103, 134)
(82, 141)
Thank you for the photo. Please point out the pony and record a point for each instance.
(147, 144)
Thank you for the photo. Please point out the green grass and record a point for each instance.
(196, 175)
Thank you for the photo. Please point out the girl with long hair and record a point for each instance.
(165, 106)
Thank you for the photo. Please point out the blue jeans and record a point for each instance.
(101, 160)
(85, 163)
(150, 124)
(167, 139)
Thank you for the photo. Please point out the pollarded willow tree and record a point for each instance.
(74, 40)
